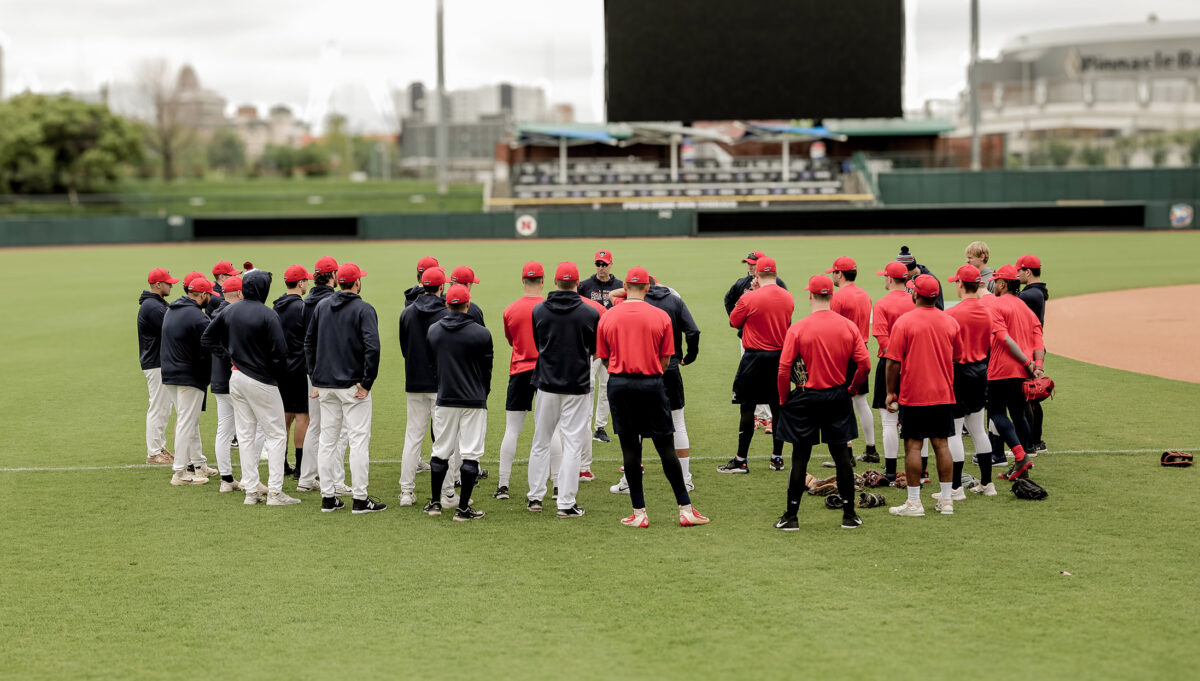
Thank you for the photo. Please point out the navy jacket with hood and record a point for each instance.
(290, 309)
(151, 309)
(739, 288)
(214, 302)
(682, 324)
(341, 346)
(221, 366)
(411, 295)
(415, 321)
(462, 361)
(184, 360)
(315, 295)
(248, 332)
(564, 330)
(1035, 296)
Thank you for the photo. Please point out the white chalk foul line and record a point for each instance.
(67, 469)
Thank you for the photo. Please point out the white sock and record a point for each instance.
(955, 442)
(866, 419)
(686, 464)
(946, 489)
(914, 494)
(891, 433)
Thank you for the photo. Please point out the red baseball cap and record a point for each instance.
(463, 275)
(533, 269)
(297, 273)
(820, 284)
(224, 267)
(158, 274)
(968, 274)
(766, 265)
(246, 266)
(566, 271)
(425, 263)
(1027, 262)
(637, 275)
(326, 265)
(1005, 272)
(843, 264)
(232, 284)
(753, 256)
(433, 276)
(603, 256)
(926, 285)
(187, 278)
(349, 273)
(458, 294)
(199, 285)
(895, 270)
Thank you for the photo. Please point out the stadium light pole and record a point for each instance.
(973, 75)
(441, 139)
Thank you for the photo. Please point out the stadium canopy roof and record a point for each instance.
(890, 127)
(778, 131)
(616, 134)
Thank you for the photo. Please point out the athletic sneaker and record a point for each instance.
(206, 471)
(234, 444)
(833, 464)
(262, 489)
(687, 483)
(988, 490)
(776, 463)
(760, 423)
(621, 487)
(788, 523)
(734, 466)
(287, 468)
(188, 478)
(870, 455)
(998, 459)
(314, 486)
(535, 506)
(162, 458)
(768, 429)
(423, 466)
(586, 476)
(341, 490)
(1040, 446)
(407, 499)
(554, 494)
(573, 512)
(501, 492)
(601, 436)
(432, 508)
(253, 498)
(331, 504)
(281, 499)
(452, 500)
(463, 515)
(481, 475)
(912, 509)
(944, 506)
(959, 494)
(851, 522)
(689, 517)
(636, 519)
(368, 505)
(1019, 469)
(924, 477)
(231, 486)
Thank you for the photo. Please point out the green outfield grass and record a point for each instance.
(111, 573)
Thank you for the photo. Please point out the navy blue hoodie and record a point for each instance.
(221, 366)
(315, 295)
(249, 332)
(184, 361)
(290, 309)
(564, 330)
(151, 309)
(415, 321)
(462, 361)
(682, 324)
(214, 302)
(1035, 296)
(341, 347)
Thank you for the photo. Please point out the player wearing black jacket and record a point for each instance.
(324, 274)
(152, 305)
(293, 389)
(221, 370)
(598, 288)
(1035, 294)
(186, 370)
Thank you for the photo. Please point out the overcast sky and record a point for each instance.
(278, 51)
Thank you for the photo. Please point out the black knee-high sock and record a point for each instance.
(745, 430)
(796, 486)
(631, 452)
(299, 456)
(776, 444)
(437, 477)
(957, 478)
(470, 473)
(665, 445)
(924, 463)
(845, 476)
(985, 468)
(889, 466)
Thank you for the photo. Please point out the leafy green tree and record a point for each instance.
(314, 160)
(1060, 153)
(226, 151)
(1093, 157)
(278, 159)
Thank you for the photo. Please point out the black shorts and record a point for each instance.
(879, 400)
(935, 420)
(294, 390)
(1006, 395)
(812, 416)
(520, 392)
(853, 369)
(756, 379)
(970, 388)
(673, 383)
(639, 405)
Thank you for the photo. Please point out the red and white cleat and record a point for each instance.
(637, 519)
(689, 516)
(586, 476)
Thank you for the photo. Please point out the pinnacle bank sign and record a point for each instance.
(1177, 60)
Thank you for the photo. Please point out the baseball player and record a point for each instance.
(221, 369)
(970, 380)
(250, 334)
(635, 342)
(914, 269)
(341, 353)
(221, 272)
(763, 316)
(597, 288)
(1035, 295)
(762, 412)
(294, 387)
(411, 295)
(461, 354)
(853, 303)
(564, 331)
(923, 347)
(887, 310)
(466, 276)
(819, 409)
(977, 254)
(324, 274)
(1017, 354)
(186, 370)
(152, 307)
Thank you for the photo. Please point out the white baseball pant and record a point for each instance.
(551, 412)
(458, 430)
(866, 420)
(419, 412)
(188, 448)
(225, 434)
(599, 385)
(342, 412)
(257, 404)
(514, 423)
(978, 430)
(308, 466)
(158, 414)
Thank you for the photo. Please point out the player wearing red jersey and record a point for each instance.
(886, 311)
(970, 379)
(853, 303)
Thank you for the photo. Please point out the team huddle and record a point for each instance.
(307, 364)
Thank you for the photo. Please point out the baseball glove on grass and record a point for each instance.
(823, 488)
(1024, 488)
(1176, 459)
(871, 500)
(873, 478)
(834, 502)
(901, 481)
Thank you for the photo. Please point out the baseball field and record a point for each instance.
(109, 572)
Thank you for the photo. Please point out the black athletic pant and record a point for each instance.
(1006, 408)
(845, 476)
(746, 430)
(631, 452)
(1033, 412)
